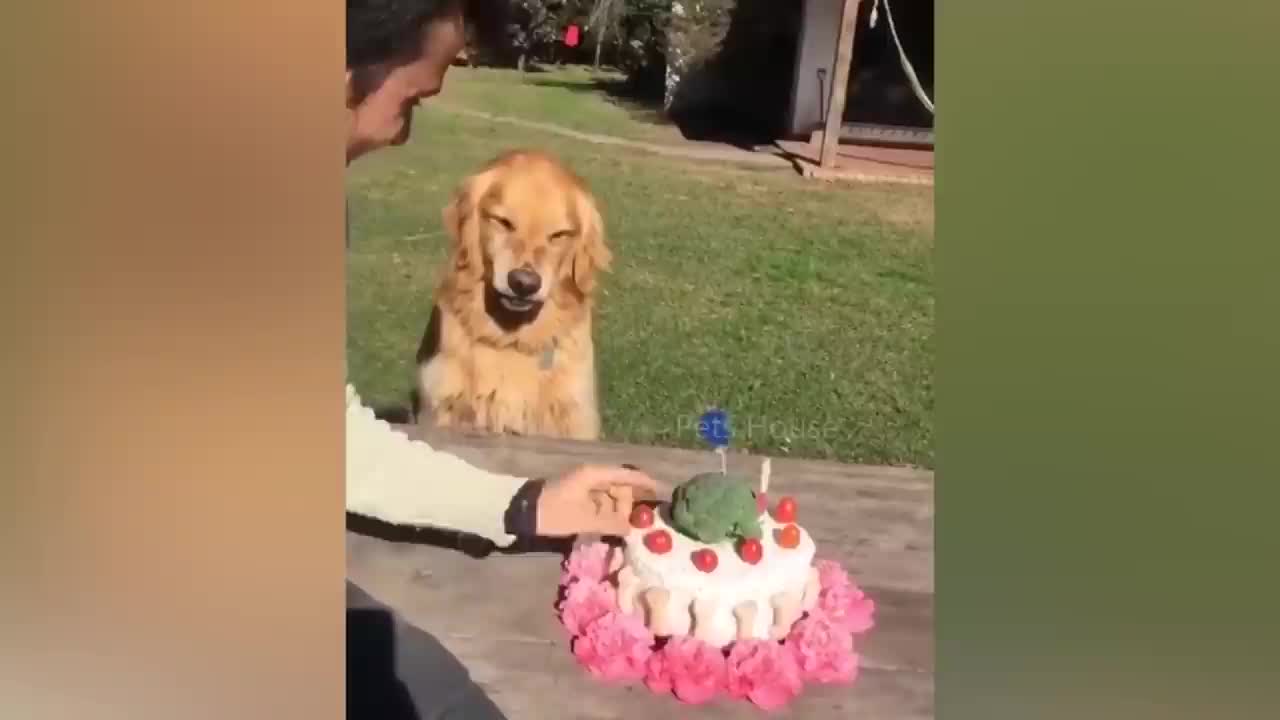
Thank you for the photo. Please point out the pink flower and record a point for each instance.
(586, 562)
(763, 672)
(586, 601)
(841, 600)
(831, 574)
(615, 648)
(691, 668)
(847, 607)
(823, 650)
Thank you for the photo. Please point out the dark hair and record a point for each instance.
(381, 31)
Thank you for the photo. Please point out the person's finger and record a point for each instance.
(614, 524)
(622, 496)
(600, 498)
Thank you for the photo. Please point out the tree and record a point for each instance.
(642, 45)
(605, 15)
(534, 27)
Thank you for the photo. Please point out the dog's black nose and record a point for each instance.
(524, 282)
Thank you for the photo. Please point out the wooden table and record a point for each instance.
(878, 521)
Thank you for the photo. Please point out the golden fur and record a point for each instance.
(484, 366)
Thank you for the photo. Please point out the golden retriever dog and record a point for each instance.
(509, 346)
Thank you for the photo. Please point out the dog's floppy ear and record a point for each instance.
(591, 255)
(462, 224)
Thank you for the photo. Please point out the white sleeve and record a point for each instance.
(406, 482)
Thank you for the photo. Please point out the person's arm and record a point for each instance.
(402, 481)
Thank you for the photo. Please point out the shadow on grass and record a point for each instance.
(640, 105)
(798, 162)
(710, 126)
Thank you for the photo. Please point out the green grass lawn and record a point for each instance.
(804, 309)
(568, 96)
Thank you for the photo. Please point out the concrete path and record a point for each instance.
(862, 169)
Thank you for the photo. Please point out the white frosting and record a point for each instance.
(733, 583)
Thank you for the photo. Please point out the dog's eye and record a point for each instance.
(561, 235)
(505, 223)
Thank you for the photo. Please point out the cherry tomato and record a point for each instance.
(658, 541)
(705, 560)
(642, 516)
(789, 537)
(751, 551)
(786, 510)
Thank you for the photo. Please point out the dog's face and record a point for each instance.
(528, 229)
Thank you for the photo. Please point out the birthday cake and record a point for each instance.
(716, 592)
(718, 564)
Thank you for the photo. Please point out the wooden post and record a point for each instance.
(839, 83)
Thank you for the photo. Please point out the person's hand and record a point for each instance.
(592, 499)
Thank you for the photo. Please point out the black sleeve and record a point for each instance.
(521, 518)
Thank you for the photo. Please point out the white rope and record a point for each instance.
(902, 55)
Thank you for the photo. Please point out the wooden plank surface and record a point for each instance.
(878, 521)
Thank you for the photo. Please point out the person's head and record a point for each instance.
(398, 52)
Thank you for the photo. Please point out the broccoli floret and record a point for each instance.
(712, 507)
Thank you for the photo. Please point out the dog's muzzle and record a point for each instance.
(521, 293)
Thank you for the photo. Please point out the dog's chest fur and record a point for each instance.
(476, 385)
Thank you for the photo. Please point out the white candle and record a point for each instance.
(765, 468)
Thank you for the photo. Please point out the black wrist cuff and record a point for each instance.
(521, 518)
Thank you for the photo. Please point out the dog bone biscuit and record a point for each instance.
(745, 613)
(811, 590)
(786, 610)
